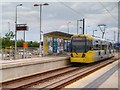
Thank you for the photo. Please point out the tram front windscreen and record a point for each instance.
(78, 44)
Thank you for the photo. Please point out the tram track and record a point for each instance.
(33, 78)
(77, 76)
(58, 78)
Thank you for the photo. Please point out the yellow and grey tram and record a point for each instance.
(88, 49)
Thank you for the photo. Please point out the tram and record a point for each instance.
(89, 49)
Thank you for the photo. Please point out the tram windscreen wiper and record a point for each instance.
(75, 49)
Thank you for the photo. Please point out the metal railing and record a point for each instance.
(9, 53)
(31, 52)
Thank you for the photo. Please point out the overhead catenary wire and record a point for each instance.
(79, 13)
(113, 7)
(75, 11)
(107, 11)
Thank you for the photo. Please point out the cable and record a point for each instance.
(113, 7)
(71, 9)
(108, 11)
(83, 14)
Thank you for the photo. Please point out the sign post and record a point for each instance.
(23, 27)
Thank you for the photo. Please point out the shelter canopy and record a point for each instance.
(57, 34)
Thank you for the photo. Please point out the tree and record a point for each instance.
(10, 35)
(5, 42)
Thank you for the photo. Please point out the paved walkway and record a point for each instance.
(106, 77)
(35, 58)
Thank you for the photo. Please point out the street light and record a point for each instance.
(87, 28)
(114, 35)
(16, 31)
(81, 29)
(94, 31)
(68, 26)
(106, 35)
(83, 20)
(9, 27)
(77, 25)
(40, 5)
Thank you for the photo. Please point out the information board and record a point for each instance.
(21, 27)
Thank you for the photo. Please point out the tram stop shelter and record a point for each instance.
(56, 42)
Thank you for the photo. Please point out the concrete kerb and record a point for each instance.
(11, 71)
(31, 61)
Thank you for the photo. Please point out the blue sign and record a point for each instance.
(55, 44)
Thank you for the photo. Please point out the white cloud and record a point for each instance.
(55, 16)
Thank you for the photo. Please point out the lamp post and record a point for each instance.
(106, 35)
(40, 5)
(83, 20)
(87, 28)
(16, 31)
(94, 31)
(81, 29)
(9, 38)
(68, 26)
(77, 25)
(9, 26)
(114, 35)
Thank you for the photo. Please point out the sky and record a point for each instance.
(56, 15)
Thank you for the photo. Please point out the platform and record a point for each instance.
(106, 77)
(13, 69)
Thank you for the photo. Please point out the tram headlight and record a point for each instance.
(83, 55)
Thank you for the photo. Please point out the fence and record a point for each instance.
(9, 53)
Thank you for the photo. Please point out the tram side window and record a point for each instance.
(89, 45)
(104, 47)
(96, 46)
(113, 47)
(110, 47)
